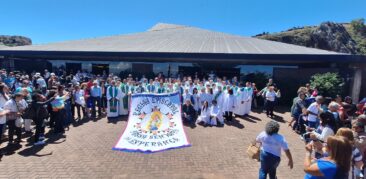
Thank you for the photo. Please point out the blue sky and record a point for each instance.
(59, 20)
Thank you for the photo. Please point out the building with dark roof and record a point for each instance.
(183, 50)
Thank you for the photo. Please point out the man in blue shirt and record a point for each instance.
(95, 96)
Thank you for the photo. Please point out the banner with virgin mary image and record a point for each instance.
(154, 124)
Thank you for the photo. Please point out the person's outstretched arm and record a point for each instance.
(289, 156)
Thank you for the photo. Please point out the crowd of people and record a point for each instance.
(59, 99)
(333, 130)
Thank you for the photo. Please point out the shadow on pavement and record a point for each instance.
(115, 120)
(235, 123)
(33, 149)
(278, 119)
(10, 149)
(249, 118)
(80, 122)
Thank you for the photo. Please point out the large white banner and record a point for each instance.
(154, 124)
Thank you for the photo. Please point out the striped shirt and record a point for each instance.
(356, 155)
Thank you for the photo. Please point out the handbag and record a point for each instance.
(12, 115)
(19, 122)
(253, 151)
(29, 112)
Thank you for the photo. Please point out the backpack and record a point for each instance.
(42, 113)
(29, 112)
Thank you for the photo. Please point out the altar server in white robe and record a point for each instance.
(219, 96)
(239, 110)
(248, 91)
(113, 97)
(210, 96)
(204, 97)
(204, 116)
(216, 114)
(196, 100)
(229, 105)
(191, 87)
(186, 95)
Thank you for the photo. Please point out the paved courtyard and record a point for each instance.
(86, 152)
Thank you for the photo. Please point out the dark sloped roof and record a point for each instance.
(178, 39)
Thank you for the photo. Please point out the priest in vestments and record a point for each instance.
(248, 95)
(113, 96)
(124, 99)
(219, 96)
(240, 95)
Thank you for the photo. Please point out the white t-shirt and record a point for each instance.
(11, 105)
(215, 111)
(271, 95)
(79, 97)
(326, 132)
(314, 109)
(272, 143)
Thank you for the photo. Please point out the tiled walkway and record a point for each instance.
(86, 152)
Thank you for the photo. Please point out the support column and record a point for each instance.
(356, 84)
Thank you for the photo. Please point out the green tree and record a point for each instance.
(328, 84)
(358, 26)
(362, 46)
(259, 78)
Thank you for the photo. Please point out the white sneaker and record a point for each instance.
(40, 143)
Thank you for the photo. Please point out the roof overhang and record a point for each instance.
(185, 57)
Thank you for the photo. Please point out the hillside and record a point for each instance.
(340, 37)
(14, 40)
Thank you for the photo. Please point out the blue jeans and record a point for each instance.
(188, 118)
(313, 124)
(269, 164)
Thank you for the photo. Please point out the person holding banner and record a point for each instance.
(113, 97)
(139, 88)
(131, 88)
(169, 88)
